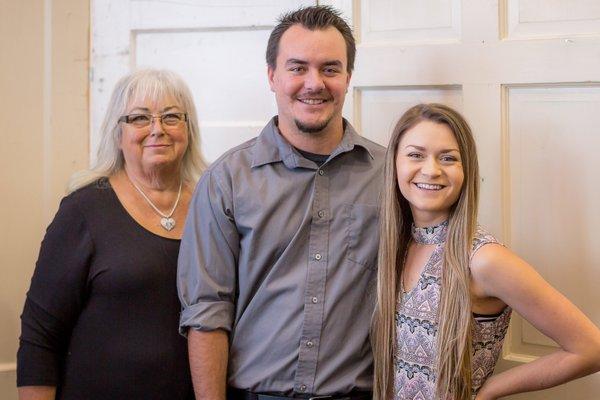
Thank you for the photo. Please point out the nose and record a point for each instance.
(156, 127)
(314, 81)
(431, 167)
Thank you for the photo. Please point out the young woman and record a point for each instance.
(446, 288)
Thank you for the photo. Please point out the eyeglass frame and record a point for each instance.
(125, 119)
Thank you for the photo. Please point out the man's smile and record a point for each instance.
(312, 101)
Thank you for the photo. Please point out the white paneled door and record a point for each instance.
(526, 74)
(217, 46)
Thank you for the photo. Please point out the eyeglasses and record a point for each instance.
(145, 120)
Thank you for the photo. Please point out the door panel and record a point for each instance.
(530, 19)
(379, 109)
(553, 201)
(408, 21)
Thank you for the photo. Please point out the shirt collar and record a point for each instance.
(271, 147)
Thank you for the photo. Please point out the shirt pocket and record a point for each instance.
(362, 234)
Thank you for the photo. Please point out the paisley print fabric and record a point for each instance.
(431, 234)
(416, 331)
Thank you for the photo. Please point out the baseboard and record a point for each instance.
(8, 367)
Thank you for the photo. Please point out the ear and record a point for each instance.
(271, 77)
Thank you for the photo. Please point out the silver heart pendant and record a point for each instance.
(167, 223)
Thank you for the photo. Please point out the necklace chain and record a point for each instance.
(152, 204)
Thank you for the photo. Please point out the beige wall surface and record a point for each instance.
(44, 53)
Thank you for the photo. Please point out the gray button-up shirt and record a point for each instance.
(282, 254)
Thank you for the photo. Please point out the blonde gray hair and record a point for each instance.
(142, 84)
(453, 364)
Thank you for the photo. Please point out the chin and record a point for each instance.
(160, 162)
(312, 127)
(432, 208)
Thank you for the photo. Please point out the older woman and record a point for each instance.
(100, 320)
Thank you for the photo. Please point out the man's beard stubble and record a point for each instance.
(314, 129)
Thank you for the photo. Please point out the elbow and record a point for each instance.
(594, 356)
(596, 365)
(588, 355)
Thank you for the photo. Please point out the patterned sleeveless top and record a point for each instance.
(417, 323)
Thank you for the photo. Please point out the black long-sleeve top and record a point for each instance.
(101, 316)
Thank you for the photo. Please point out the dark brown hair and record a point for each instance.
(312, 18)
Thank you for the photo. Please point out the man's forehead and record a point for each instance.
(299, 43)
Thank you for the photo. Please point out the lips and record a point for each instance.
(313, 101)
(429, 186)
(157, 147)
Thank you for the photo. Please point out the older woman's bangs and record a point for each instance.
(154, 86)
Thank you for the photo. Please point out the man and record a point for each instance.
(277, 263)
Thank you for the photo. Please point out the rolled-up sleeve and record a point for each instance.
(206, 272)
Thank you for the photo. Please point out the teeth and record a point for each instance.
(312, 101)
(429, 186)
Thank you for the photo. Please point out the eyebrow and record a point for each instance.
(335, 63)
(147, 110)
(295, 61)
(420, 148)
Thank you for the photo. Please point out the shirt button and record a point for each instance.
(309, 344)
(314, 300)
(321, 214)
(317, 257)
(302, 388)
(321, 172)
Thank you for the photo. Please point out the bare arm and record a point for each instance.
(37, 393)
(208, 352)
(497, 272)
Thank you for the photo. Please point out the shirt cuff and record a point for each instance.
(206, 316)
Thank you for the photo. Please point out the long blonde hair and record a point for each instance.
(142, 84)
(453, 363)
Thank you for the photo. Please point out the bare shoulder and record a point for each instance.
(487, 255)
(496, 271)
(488, 267)
(490, 259)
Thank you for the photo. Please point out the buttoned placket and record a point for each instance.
(318, 249)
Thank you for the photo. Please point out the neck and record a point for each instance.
(424, 220)
(155, 180)
(161, 194)
(323, 142)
